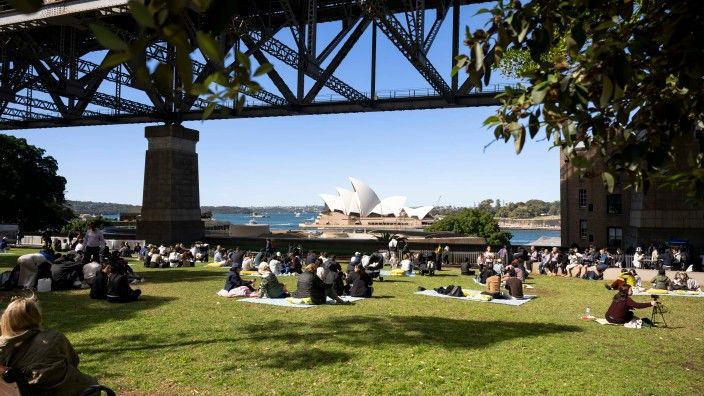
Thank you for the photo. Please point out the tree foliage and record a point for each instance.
(79, 226)
(472, 222)
(31, 193)
(621, 77)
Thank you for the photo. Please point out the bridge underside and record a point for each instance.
(50, 74)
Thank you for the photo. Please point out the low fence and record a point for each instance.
(36, 241)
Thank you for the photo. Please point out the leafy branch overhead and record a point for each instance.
(229, 71)
(620, 78)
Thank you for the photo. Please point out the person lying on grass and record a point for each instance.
(45, 357)
(683, 282)
(620, 311)
(625, 278)
(270, 287)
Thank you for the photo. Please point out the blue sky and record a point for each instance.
(288, 161)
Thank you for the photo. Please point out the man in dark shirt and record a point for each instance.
(66, 274)
(514, 285)
(359, 282)
(309, 285)
(237, 257)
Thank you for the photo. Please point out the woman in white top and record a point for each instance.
(406, 264)
(175, 259)
(638, 257)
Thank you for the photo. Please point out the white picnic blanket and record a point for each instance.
(282, 302)
(514, 302)
(689, 294)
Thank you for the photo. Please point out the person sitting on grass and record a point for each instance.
(625, 278)
(66, 274)
(119, 290)
(310, 285)
(661, 281)
(493, 286)
(219, 259)
(513, 284)
(620, 311)
(683, 282)
(4, 246)
(332, 276)
(485, 273)
(270, 287)
(575, 263)
(359, 283)
(406, 264)
(45, 357)
(99, 287)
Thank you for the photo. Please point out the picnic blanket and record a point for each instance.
(475, 295)
(394, 273)
(675, 293)
(284, 302)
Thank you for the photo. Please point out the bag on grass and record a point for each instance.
(44, 285)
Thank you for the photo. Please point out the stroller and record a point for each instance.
(425, 266)
(376, 263)
(202, 252)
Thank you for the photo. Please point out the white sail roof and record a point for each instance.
(364, 201)
(390, 206)
(419, 212)
(333, 202)
(366, 196)
(350, 202)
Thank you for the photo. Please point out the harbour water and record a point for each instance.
(288, 221)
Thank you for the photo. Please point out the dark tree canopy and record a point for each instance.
(624, 78)
(473, 222)
(31, 193)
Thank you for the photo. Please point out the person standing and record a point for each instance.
(393, 243)
(46, 238)
(93, 243)
(20, 235)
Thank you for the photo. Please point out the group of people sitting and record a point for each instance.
(321, 277)
(108, 279)
(174, 256)
(512, 277)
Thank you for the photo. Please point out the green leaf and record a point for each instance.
(141, 14)
(537, 95)
(208, 111)
(607, 90)
(107, 38)
(263, 69)
(533, 125)
(115, 58)
(163, 80)
(243, 60)
(519, 140)
(26, 6)
(608, 179)
(209, 47)
(491, 120)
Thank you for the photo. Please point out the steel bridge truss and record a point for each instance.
(50, 74)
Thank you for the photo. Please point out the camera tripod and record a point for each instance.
(658, 309)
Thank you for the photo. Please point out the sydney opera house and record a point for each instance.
(362, 208)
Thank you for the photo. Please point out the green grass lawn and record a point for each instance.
(181, 338)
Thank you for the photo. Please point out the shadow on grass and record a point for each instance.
(302, 352)
(176, 275)
(76, 311)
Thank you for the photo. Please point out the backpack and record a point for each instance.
(10, 279)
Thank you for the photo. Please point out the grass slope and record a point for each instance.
(183, 339)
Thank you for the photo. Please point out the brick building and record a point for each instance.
(624, 218)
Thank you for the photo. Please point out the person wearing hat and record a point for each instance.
(3, 245)
(275, 264)
(270, 287)
(234, 280)
(638, 257)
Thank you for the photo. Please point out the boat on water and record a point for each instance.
(297, 214)
(258, 215)
(251, 222)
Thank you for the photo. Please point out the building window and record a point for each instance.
(582, 198)
(615, 236)
(613, 204)
(583, 229)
